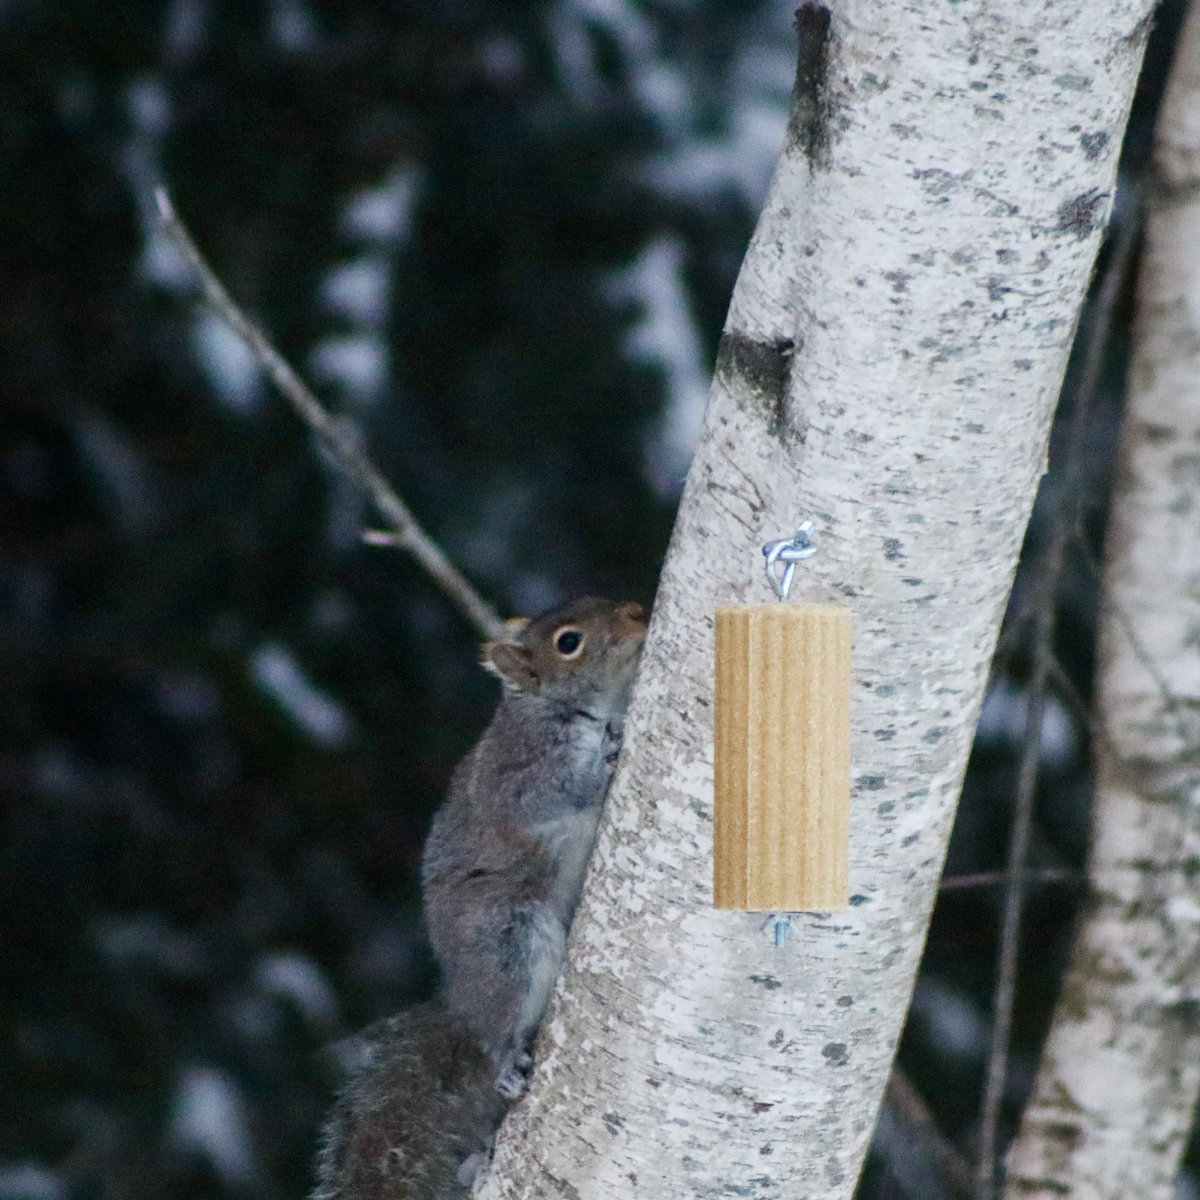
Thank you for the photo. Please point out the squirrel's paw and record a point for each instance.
(511, 1081)
(469, 1168)
(511, 1084)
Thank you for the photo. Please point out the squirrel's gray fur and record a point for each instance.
(501, 876)
(416, 1116)
(505, 858)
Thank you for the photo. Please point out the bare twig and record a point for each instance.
(1014, 895)
(1048, 571)
(982, 879)
(909, 1105)
(1089, 717)
(1171, 703)
(404, 530)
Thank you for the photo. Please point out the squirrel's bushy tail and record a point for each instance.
(416, 1117)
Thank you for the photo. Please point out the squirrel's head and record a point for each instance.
(583, 654)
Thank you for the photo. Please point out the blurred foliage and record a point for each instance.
(226, 722)
(199, 888)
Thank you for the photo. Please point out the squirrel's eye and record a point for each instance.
(568, 642)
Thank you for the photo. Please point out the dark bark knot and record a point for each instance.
(836, 1054)
(758, 373)
(808, 125)
(1093, 144)
(1080, 214)
(767, 981)
(1069, 1136)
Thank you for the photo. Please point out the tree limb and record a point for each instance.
(1048, 570)
(950, 1163)
(404, 531)
(1117, 1085)
(893, 352)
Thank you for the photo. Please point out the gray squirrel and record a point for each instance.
(501, 875)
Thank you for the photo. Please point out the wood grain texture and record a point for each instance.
(782, 757)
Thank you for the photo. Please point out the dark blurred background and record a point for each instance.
(499, 239)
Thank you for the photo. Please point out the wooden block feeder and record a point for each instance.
(782, 751)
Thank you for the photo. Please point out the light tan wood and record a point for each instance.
(782, 757)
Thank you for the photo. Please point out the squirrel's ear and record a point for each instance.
(512, 664)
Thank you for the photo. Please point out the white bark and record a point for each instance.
(917, 273)
(1114, 1095)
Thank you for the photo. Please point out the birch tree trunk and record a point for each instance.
(1118, 1081)
(890, 363)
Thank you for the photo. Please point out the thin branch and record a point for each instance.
(982, 879)
(1048, 571)
(1014, 895)
(1171, 703)
(949, 1162)
(1089, 717)
(404, 531)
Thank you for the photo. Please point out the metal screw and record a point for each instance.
(779, 924)
(788, 551)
